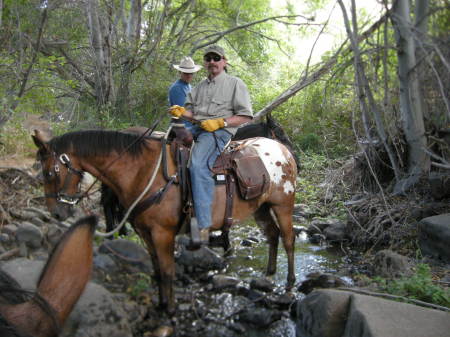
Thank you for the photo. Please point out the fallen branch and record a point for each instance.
(306, 81)
(395, 297)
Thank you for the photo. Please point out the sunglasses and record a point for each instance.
(216, 58)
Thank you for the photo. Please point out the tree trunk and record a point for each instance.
(102, 57)
(128, 60)
(365, 92)
(410, 108)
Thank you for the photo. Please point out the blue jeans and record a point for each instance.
(208, 146)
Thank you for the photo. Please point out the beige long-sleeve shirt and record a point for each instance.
(223, 96)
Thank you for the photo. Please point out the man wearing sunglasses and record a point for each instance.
(221, 103)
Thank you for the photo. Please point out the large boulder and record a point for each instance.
(389, 264)
(322, 313)
(337, 313)
(434, 236)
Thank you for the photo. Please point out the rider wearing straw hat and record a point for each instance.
(180, 88)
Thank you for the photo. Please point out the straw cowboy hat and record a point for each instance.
(187, 65)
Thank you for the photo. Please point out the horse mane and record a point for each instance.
(88, 143)
(270, 129)
(7, 330)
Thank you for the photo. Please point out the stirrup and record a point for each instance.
(195, 233)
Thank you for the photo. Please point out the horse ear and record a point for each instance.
(69, 268)
(40, 140)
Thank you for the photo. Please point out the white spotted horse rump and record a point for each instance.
(277, 159)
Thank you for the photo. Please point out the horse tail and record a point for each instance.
(112, 209)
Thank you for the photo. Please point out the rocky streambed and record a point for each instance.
(216, 295)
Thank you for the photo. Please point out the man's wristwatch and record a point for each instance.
(225, 124)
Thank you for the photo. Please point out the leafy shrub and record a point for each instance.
(309, 142)
(420, 286)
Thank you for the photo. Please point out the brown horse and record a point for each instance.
(127, 169)
(62, 281)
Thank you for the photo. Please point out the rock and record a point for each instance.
(26, 272)
(283, 301)
(320, 280)
(317, 226)
(282, 328)
(5, 238)
(389, 264)
(376, 317)
(29, 234)
(317, 238)
(40, 214)
(54, 233)
(440, 185)
(105, 263)
(203, 258)
(129, 253)
(260, 317)
(9, 229)
(434, 236)
(322, 314)
(163, 331)
(262, 284)
(335, 232)
(335, 313)
(223, 282)
(97, 314)
(246, 243)
(23, 215)
(37, 222)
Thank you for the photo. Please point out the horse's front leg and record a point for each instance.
(164, 243)
(146, 236)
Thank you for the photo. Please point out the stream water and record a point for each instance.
(251, 261)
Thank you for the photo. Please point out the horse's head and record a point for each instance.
(61, 178)
(61, 283)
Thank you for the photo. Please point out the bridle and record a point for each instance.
(62, 196)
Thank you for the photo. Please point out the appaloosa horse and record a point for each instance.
(125, 162)
(62, 281)
(268, 128)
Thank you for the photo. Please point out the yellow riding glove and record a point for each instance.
(177, 111)
(212, 125)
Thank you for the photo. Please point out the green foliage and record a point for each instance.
(420, 286)
(309, 142)
(310, 188)
(15, 139)
(142, 284)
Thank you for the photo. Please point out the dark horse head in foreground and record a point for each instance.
(62, 281)
(125, 163)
